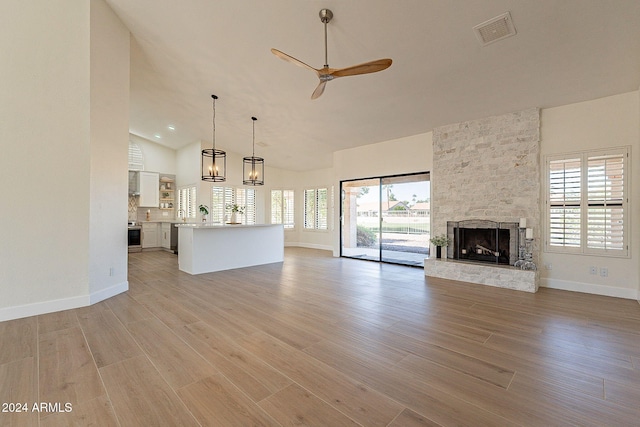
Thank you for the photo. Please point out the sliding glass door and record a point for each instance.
(361, 219)
(386, 218)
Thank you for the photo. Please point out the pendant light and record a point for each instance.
(214, 161)
(253, 167)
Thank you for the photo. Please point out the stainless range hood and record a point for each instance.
(134, 184)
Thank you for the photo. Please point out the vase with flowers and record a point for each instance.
(439, 242)
(235, 211)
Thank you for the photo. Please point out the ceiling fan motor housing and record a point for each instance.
(325, 16)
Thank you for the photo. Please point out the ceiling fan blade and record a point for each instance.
(319, 90)
(293, 60)
(366, 68)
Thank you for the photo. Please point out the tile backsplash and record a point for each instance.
(139, 214)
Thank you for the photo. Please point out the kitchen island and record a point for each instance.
(205, 248)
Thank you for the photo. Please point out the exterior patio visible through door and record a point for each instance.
(386, 218)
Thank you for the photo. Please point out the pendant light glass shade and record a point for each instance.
(253, 167)
(214, 161)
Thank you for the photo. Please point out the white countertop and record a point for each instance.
(207, 225)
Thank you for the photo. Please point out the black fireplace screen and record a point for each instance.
(483, 241)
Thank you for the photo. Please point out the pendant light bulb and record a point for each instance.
(253, 167)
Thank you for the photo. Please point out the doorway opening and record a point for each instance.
(386, 218)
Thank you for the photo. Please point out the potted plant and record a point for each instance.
(439, 242)
(235, 210)
(204, 210)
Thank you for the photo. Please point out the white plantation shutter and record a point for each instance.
(315, 209)
(187, 201)
(222, 197)
(288, 209)
(587, 203)
(282, 207)
(136, 162)
(564, 202)
(322, 213)
(309, 209)
(247, 197)
(605, 191)
(276, 207)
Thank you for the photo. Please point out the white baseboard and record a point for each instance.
(309, 246)
(44, 307)
(108, 292)
(589, 288)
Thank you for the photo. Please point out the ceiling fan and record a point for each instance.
(325, 73)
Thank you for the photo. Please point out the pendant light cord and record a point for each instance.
(253, 150)
(214, 122)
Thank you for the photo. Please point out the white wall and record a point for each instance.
(45, 153)
(46, 161)
(188, 165)
(395, 157)
(608, 122)
(109, 153)
(156, 157)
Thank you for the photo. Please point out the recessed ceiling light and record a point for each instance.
(157, 135)
(171, 127)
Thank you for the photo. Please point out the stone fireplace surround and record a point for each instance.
(487, 169)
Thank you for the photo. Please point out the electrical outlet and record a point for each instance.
(593, 270)
(548, 266)
(604, 272)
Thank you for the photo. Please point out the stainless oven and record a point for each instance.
(134, 237)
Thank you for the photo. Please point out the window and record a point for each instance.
(315, 209)
(222, 197)
(587, 202)
(282, 208)
(135, 157)
(247, 197)
(187, 202)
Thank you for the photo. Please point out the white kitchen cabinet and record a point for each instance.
(149, 196)
(150, 235)
(165, 237)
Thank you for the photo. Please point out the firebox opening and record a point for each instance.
(483, 244)
(483, 241)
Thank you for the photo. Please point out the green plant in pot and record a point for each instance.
(235, 210)
(439, 242)
(204, 210)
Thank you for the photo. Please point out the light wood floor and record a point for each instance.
(328, 342)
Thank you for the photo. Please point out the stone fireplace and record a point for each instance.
(485, 177)
(483, 241)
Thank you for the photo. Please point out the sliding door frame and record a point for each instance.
(380, 180)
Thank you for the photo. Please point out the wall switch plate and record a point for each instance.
(593, 270)
(604, 272)
(110, 271)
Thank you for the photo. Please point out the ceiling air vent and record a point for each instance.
(495, 29)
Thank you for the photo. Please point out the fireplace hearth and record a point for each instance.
(483, 241)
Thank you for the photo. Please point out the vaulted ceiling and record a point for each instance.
(564, 51)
